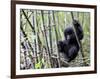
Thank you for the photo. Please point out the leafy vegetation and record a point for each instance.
(41, 30)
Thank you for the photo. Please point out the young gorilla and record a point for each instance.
(70, 46)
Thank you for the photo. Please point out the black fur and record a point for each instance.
(70, 46)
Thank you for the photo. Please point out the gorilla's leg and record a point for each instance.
(72, 53)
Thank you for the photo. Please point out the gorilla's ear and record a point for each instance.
(60, 46)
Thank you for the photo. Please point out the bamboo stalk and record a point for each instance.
(82, 49)
(58, 54)
(50, 37)
(38, 38)
(23, 46)
(57, 23)
(35, 38)
(79, 43)
(25, 36)
(83, 20)
(46, 38)
(33, 30)
(78, 15)
(28, 21)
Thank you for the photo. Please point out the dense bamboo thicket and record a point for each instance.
(39, 33)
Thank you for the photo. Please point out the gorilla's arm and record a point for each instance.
(78, 29)
(72, 52)
(80, 33)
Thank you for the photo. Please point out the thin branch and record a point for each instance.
(78, 41)
(28, 21)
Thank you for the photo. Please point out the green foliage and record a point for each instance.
(62, 20)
